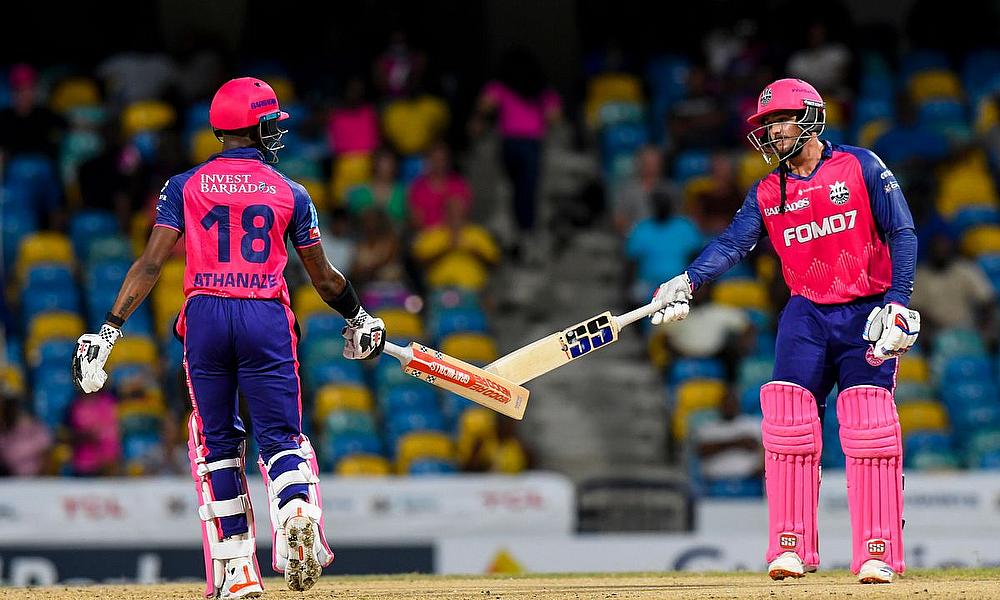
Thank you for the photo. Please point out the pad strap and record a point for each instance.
(224, 508)
(204, 468)
(297, 476)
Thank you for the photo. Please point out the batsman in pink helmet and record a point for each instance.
(845, 237)
(236, 212)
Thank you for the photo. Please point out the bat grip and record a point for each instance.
(403, 355)
(639, 313)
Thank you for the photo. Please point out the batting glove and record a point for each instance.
(677, 294)
(892, 330)
(365, 336)
(92, 351)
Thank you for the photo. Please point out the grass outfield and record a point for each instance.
(953, 584)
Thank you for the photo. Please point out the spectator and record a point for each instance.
(28, 127)
(378, 255)
(971, 298)
(698, 120)
(94, 434)
(714, 204)
(456, 253)
(353, 125)
(633, 201)
(524, 105)
(24, 441)
(659, 245)
(144, 426)
(908, 146)
(431, 191)
(115, 179)
(413, 122)
(399, 67)
(822, 62)
(338, 244)
(384, 191)
(731, 447)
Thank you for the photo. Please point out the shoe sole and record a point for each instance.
(303, 569)
(779, 574)
(874, 580)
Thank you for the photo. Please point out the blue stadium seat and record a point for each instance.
(89, 224)
(457, 320)
(932, 460)
(958, 342)
(388, 374)
(324, 325)
(338, 370)
(916, 61)
(969, 216)
(37, 301)
(43, 276)
(106, 274)
(683, 369)
(452, 407)
(941, 114)
(750, 401)
(349, 422)
(968, 393)
(990, 264)
(869, 109)
(55, 354)
(432, 466)
(314, 350)
(13, 227)
(39, 176)
(923, 441)
(979, 73)
(418, 397)
(337, 447)
(137, 447)
(691, 163)
(907, 391)
(404, 422)
(621, 140)
(967, 369)
(52, 394)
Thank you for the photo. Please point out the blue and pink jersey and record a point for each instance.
(235, 212)
(845, 233)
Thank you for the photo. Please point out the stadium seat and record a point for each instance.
(401, 324)
(622, 139)
(89, 224)
(349, 170)
(741, 293)
(990, 264)
(610, 87)
(52, 394)
(315, 349)
(749, 487)
(52, 325)
(684, 369)
(202, 144)
(347, 396)
(422, 445)
(689, 164)
(43, 247)
(336, 448)
(14, 227)
(750, 401)
(306, 302)
(957, 395)
(388, 374)
(924, 441)
(871, 131)
(432, 466)
(410, 168)
(36, 178)
(692, 395)
(48, 276)
(404, 422)
(476, 433)
(54, 353)
(983, 447)
(979, 72)
(908, 391)
(958, 342)
(966, 369)
(473, 348)
(922, 60)
(931, 460)
(336, 370)
(363, 465)
(457, 320)
(73, 92)
(754, 372)
(934, 84)
(134, 350)
(409, 396)
(922, 416)
(108, 249)
(322, 325)
(968, 216)
(613, 113)
(341, 422)
(38, 300)
(981, 239)
(913, 368)
(146, 115)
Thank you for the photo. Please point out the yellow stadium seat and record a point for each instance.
(610, 87)
(741, 293)
(52, 325)
(834, 113)
(657, 348)
(964, 186)
(981, 239)
(987, 115)
(203, 144)
(73, 92)
(306, 302)
(402, 324)
(422, 444)
(476, 440)
(913, 368)
(510, 457)
(934, 84)
(872, 131)
(133, 349)
(692, 395)
(339, 396)
(694, 186)
(751, 166)
(349, 170)
(11, 379)
(44, 246)
(922, 416)
(363, 465)
(316, 191)
(147, 115)
(474, 348)
(139, 228)
(283, 89)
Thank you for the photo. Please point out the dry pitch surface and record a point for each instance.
(958, 584)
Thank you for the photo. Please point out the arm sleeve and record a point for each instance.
(731, 246)
(304, 227)
(170, 206)
(895, 224)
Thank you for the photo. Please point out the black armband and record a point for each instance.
(113, 319)
(347, 303)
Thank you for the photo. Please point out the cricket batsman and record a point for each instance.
(845, 238)
(236, 211)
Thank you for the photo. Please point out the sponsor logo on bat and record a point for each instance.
(491, 389)
(587, 336)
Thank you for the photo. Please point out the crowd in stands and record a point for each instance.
(85, 155)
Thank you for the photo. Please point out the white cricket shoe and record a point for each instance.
(787, 564)
(242, 580)
(303, 568)
(876, 571)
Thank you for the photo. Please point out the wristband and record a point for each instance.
(114, 320)
(347, 303)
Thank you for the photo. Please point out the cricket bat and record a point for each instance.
(468, 381)
(554, 351)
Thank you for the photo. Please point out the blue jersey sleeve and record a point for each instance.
(894, 221)
(170, 205)
(304, 226)
(731, 246)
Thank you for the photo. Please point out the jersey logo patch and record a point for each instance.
(839, 194)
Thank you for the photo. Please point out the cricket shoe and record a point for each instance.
(242, 580)
(876, 571)
(303, 568)
(787, 564)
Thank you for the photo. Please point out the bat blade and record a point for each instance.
(469, 381)
(557, 349)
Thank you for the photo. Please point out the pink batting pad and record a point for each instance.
(873, 444)
(793, 442)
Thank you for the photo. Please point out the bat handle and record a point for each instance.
(639, 313)
(403, 355)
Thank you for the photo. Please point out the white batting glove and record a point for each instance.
(892, 330)
(677, 293)
(365, 336)
(92, 351)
